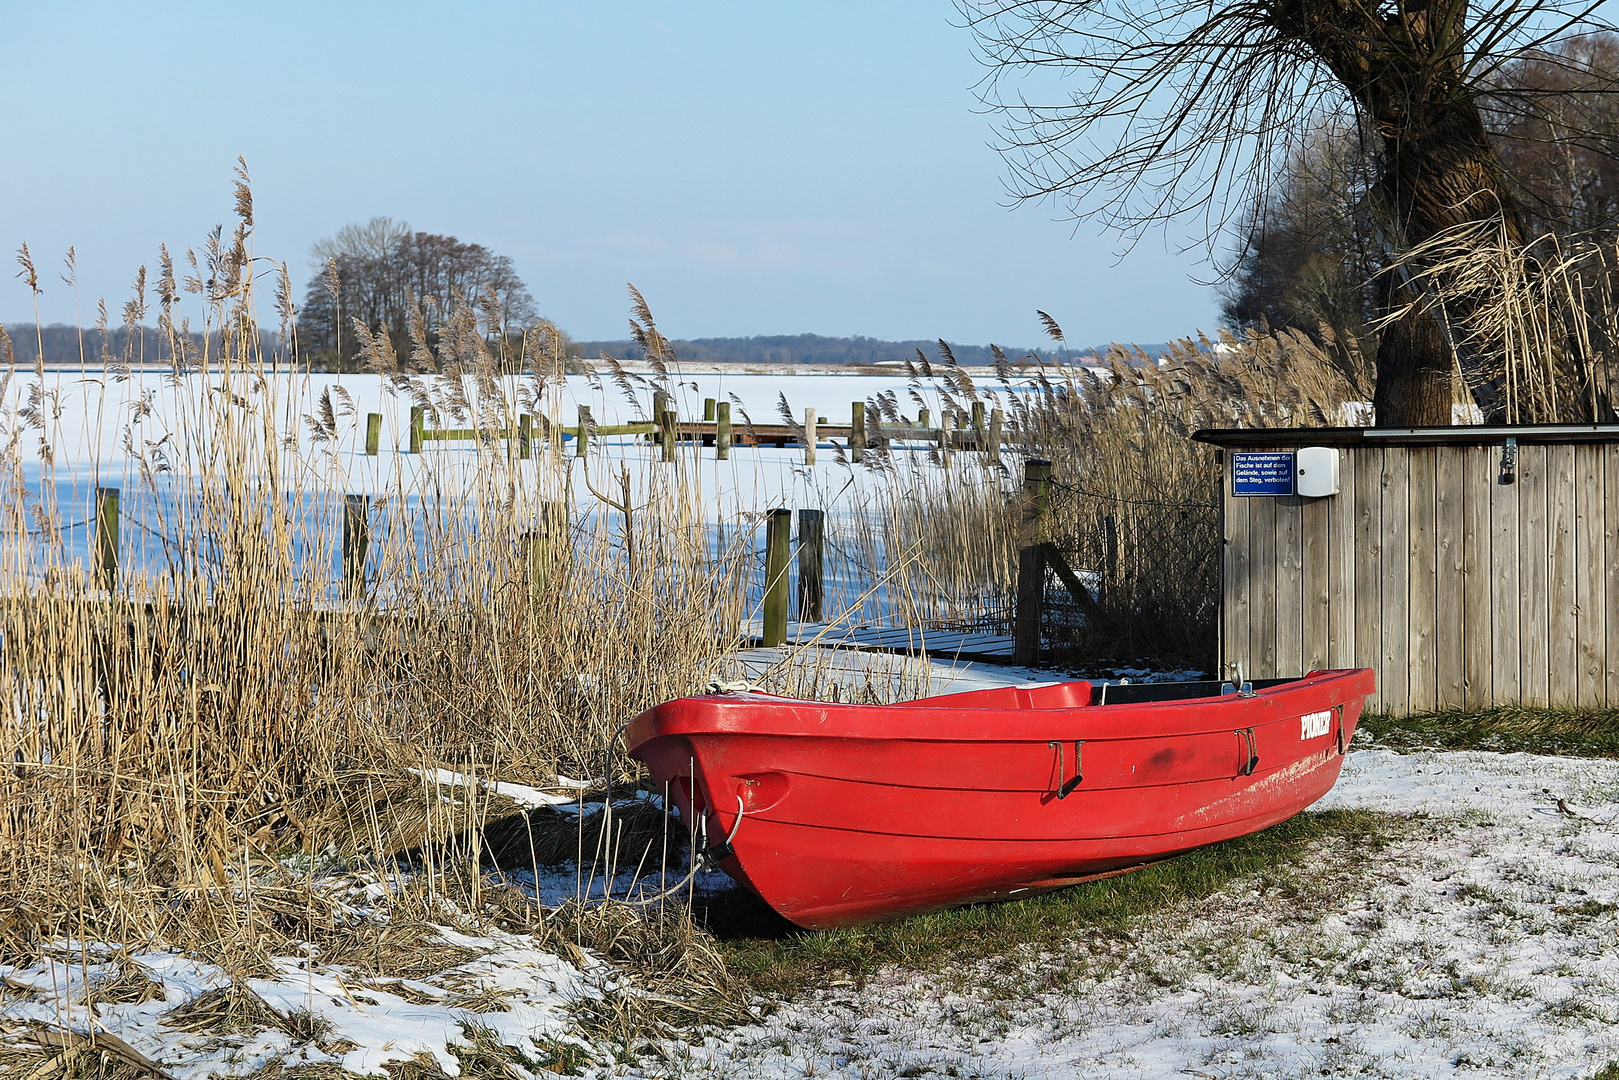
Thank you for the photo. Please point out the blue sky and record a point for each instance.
(787, 167)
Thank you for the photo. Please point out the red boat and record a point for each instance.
(839, 815)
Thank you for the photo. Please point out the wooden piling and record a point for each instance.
(418, 424)
(778, 543)
(857, 430)
(373, 434)
(947, 437)
(978, 423)
(997, 423)
(668, 432)
(922, 418)
(811, 588)
(525, 436)
(708, 410)
(810, 438)
(106, 557)
(722, 430)
(356, 539)
(1031, 579)
(581, 439)
(660, 405)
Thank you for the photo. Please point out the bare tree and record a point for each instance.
(383, 274)
(1175, 107)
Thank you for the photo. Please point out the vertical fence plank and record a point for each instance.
(1504, 588)
(1563, 603)
(107, 522)
(1422, 660)
(1477, 616)
(1534, 606)
(778, 545)
(373, 434)
(1262, 573)
(1395, 574)
(1315, 523)
(1344, 558)
(1236, 608)
(1289, 586)
(1611, 577)
(1368, 560)
(811, 586)
(1590, 574)
(1450, 574)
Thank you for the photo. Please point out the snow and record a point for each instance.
(1481, 943)
(1482, 946)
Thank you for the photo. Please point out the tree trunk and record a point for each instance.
(1415, 387)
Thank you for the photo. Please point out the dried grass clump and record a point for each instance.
(1134, 502)
(189, 740)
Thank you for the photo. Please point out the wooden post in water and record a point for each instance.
(997, 421)
(778, 543)
(810, 438)
(660, 405)
(669, 432)
(546, 548)
(581, 442)
(525, 436)
(373, 434)
(857, 430)
(708, 410)
(978, 424)
(106, 558)
(947, 436)
(722, 430)
(811, 588)
(356, 538)
(1031, 567)
(418, 423)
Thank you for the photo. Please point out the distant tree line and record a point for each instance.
(796, 349)
(383, 273)
(66, 345)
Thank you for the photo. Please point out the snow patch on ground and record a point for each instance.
(1483, 945)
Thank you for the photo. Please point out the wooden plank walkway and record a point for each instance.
(907, 640)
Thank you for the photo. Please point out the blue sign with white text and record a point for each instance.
(1262, 474)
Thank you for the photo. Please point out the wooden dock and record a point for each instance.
(903, 640)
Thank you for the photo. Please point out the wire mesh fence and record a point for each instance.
(1150, 572)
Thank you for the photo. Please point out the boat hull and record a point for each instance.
(838, 815)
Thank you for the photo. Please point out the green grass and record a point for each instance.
(776, 958)
(1505, 728)
(1610, 1071)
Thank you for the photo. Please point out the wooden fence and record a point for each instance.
(1467, 566)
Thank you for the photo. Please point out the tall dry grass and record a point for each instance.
(1134, 501)
(228, 716)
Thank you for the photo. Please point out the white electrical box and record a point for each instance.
(1315, 471)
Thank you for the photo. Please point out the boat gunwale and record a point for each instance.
(932, 720)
